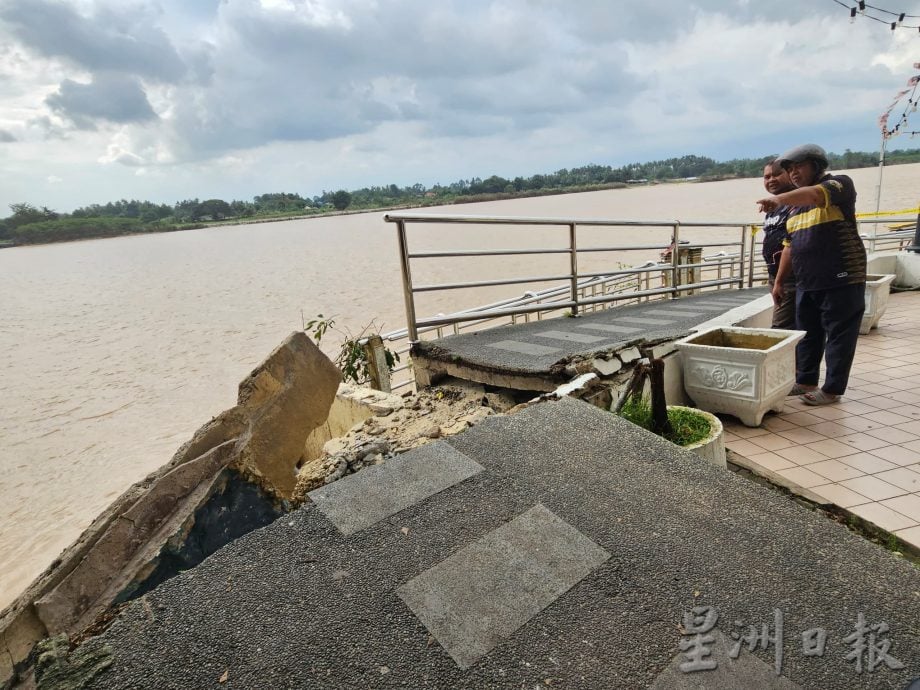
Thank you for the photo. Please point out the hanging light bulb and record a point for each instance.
(901, 18)
(862, 6)
(894, 25)
(852, 15)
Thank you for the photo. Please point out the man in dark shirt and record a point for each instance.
(829, 261)
(776, 181)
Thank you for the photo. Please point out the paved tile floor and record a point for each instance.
(863, 453)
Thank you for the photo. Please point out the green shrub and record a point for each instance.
(688, 427)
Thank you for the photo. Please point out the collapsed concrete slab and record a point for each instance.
(558, 546)
(234, 474)
(542, 355)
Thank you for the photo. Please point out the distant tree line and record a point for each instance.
(33, 225)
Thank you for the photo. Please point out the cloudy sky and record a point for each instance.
(172, 99)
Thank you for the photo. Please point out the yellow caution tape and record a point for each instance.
(888, 213)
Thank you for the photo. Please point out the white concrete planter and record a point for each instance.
(711, 448)
(740, 371)
(878, 287)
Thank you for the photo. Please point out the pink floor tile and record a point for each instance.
(911, 427)
(830, 412)
(853, 406)
(911, 535)
(868, 463)
(891, 435)
(912, 411)
(863, 442)
(877, 388)
(839, 495)
(742, 431)
(830, 429)
(771, 442)
(833, 448)
(803, 477)
(885, 417)
(883, 516)
(899, 455)
(903, 478)
(802, 435)
(900, 384)
(908, 505)
(744, 447)
(801, 455)
(879, 402)
(802, 418)
(873, 488)
(834, 470)
(770, 461)
(776, 424)
(858, 423)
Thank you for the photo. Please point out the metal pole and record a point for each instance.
(407, 281)
(573, 253)
(878, 192)
(744, 231)
(675, 260)
(750, 233)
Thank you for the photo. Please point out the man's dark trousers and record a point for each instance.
(831, 320)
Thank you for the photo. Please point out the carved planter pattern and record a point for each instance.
(739, 371)
(878, 288)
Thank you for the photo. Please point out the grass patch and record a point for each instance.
(688, 427)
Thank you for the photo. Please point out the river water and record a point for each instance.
(112, 352)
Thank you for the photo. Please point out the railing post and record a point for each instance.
(675, 260)
(741, 255)
(751, 256)
(407, 281)
(573, 254)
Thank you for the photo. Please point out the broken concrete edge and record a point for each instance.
(855, 523)
(428, 372)
(47, 607)
(135, 537)
(281, 402)
(444, 410)
(432, 363)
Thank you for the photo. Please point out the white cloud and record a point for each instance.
(232, 99)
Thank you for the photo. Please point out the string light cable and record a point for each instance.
(911, 107)
(864, 9)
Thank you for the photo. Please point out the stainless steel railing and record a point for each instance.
(575, 301)
(741, 266)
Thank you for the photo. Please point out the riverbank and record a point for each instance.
(57, 231)
(114, 352)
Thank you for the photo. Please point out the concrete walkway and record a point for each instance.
(532, 355)
(560, 546)
(863, 453)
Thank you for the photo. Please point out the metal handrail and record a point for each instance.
(574, 303)
(744, 266)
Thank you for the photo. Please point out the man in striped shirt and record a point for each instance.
(829, 261)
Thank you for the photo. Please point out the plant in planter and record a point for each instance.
(692, 429)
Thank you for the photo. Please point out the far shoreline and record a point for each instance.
(469, 199)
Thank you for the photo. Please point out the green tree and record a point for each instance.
(341, 199)
(213, 208)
